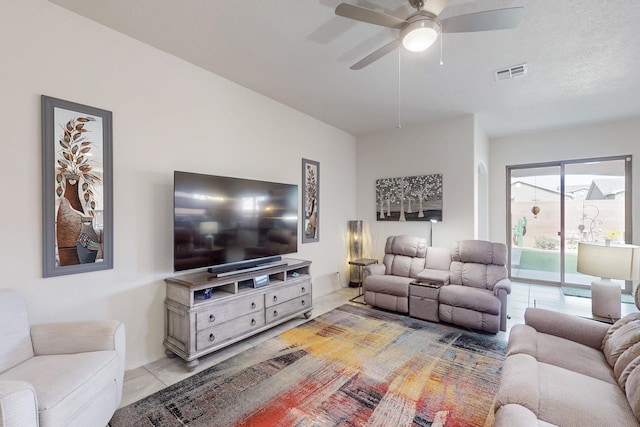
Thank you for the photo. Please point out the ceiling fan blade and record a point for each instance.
(369, 16)
(435, 6)
(375, 55)
(499, 19)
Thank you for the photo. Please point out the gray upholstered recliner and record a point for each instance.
(476, 296)
(386, 285)
(58, 374)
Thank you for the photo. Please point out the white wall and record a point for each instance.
(168, 115)
(595, 140)
(481, 162)
(445, 147)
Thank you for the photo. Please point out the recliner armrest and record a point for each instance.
(78, 337)
(18, 404)
(434, 275)
(578, 329)
(502, 284)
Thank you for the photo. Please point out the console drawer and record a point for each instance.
(230, 310)
(218, 334)
(283, 294)
(279, 311)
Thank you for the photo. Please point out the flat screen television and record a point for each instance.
(226, 223)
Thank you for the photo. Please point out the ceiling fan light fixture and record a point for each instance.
(420, 35)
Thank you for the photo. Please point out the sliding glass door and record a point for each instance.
(553, 206)
(535, 223)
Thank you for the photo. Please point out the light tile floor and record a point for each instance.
(155, 376)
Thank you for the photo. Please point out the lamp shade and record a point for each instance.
(208, 227)
(612, 262)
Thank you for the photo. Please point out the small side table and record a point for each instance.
(362, 263)
(423, 299)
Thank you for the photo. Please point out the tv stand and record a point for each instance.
(206, 312)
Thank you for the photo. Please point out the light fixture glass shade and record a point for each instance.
(611, 262)
(419, 35)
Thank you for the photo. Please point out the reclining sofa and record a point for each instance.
(473, 275)
(564, 370)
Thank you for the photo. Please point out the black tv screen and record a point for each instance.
(224, 221)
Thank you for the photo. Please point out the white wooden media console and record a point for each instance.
(205, 312)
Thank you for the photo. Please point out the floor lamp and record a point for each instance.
(433, 221)
(354, 243)
(608, 262)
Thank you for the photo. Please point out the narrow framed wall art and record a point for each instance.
(77, 191)
(310, 201)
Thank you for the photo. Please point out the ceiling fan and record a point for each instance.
(421, 29)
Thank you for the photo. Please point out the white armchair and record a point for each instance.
(58, 374)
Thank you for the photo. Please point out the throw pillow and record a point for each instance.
(628, 368)
(617, 325)
(622, 335)
(633, 391)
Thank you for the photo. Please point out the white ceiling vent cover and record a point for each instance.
(511, 72)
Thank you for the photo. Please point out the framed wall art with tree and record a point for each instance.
(310, 201)
(409, 198)
(77, 190)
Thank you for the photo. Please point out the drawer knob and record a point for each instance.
(302, 302)
(275, 313)
(253, 305)
(304, 290)
(212, 337)
(275, 298)
(212, 318)
(253, 322)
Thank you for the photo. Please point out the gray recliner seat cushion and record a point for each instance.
(391, 285)
(560, 396)
(469, 307)
(476, 299)
(553, 350)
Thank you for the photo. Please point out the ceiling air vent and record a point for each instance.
(511, 72)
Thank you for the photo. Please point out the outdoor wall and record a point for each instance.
(445, 147)
(614, 138)
(168, 115)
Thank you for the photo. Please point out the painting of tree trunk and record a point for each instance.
(411, 198)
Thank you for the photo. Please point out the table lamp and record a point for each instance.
(209, 228)
(608, 262)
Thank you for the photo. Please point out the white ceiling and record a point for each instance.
(583, 58)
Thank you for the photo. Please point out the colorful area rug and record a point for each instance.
(353, 366)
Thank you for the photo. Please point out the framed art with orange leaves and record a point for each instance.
(77, 192)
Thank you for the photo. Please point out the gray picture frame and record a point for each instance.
(77, 165)
(310, 201)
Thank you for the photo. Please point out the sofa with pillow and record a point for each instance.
(473, 273)
(563, 370)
